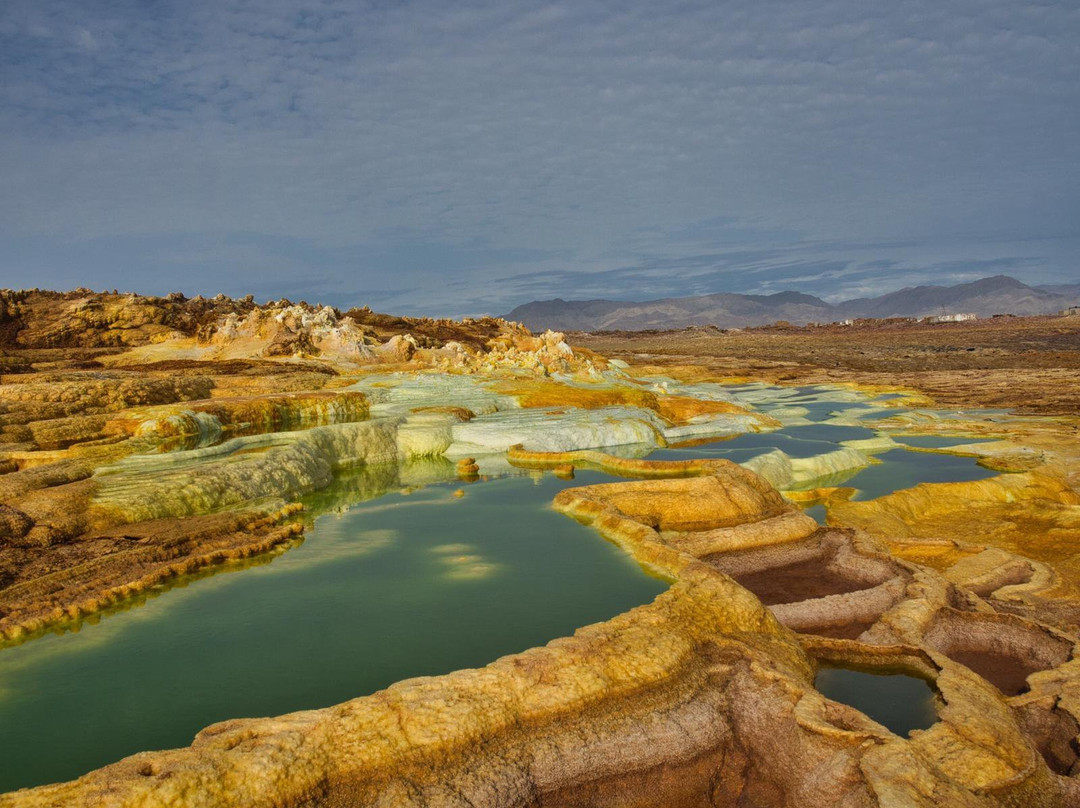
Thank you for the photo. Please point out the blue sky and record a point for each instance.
(429, 157)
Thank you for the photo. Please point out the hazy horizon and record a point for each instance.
(424, 159)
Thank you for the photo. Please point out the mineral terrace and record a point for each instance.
(143, 440)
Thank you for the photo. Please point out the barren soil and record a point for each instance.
(1029, 364)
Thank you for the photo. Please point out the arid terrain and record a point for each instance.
(146, 443)
(1030, 364)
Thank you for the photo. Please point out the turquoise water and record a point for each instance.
(938, 441)
(900, 702)
(821, 410)
(896, 470)
(795, 441)
(821, 403)
(400, 586)
(881, 414)
(903, 469)
(829, 433)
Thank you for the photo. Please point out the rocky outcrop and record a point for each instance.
(36, 319)
(27, 401)
(152, 330)
(241, 416)
(470, 333)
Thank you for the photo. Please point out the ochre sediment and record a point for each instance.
(674, 409)
(1033, 514)
(619, 466)
(45, 588)
(1026, 363)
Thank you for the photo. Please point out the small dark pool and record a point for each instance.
(896, 700)
(879, 415)
(829, 432)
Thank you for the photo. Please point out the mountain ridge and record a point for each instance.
(998, 294)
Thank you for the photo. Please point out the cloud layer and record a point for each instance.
(454, 158)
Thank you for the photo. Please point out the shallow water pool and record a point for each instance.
(796, 441)
(900, 468)
(896, 700)
(938, 441)
(400, 586)
(894, 470)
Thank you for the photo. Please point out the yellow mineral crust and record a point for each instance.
(161, 486)
(41, 407)
(683, 409)
(697, 503)
(612, 464)
(676, 410)
(1033, 514)
(246, 415)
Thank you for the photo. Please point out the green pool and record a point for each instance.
(399, 586)
(901, 469)
(385, 586)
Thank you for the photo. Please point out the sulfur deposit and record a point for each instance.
(144, 440)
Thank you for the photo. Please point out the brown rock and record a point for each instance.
(14, 524)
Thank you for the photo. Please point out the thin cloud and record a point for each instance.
(471, 153)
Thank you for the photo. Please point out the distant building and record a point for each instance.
(951, 318)
(1072, 311)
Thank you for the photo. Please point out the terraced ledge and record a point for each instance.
(702, 697)
(1033, 514)
(118, 564)
(523, 458)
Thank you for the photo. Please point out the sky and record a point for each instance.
(462, 158)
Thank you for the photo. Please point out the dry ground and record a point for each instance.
(1029, 364)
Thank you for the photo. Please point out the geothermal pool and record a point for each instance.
(897, 701)
(901, 469)
(405, 585)
(385, 586)
(895, 470)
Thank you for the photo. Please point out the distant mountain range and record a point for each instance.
(988, 296)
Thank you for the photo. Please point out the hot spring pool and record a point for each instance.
(400, 586)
